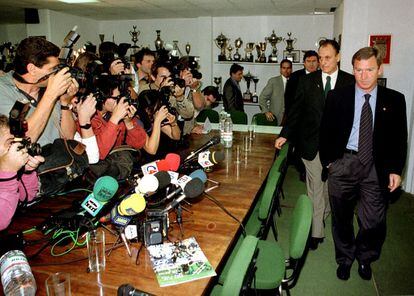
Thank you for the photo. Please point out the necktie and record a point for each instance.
(365, 133)
(327, 85)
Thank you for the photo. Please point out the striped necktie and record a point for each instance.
(365, 133)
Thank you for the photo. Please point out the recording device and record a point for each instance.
(193, 189)
(18, 128)
(128, 290)
(170, 163)
(119, 53)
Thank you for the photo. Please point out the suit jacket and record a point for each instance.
(291, 87)
(274, 92)
(304, 118)
(232, 97)
(390, 129)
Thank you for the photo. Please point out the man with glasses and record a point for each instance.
(36, 80)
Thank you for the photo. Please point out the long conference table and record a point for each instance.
(214, 230)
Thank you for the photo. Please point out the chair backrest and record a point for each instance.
(300, 226)
(240, 265)
(268, 193)
(238, 117)
(260, 119)
(212, 115)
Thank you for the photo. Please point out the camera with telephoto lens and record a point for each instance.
(18, 128)
(118, 53)
(165, 93)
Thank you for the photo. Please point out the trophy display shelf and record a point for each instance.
(249, 63)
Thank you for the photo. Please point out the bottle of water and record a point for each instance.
(222, 118)
(227, 135)
(16, 276)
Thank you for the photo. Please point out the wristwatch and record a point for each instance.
(66, 107)
(86, 126)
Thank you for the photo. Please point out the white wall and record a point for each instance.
(338, 20)
(13, 33)
(362, 18)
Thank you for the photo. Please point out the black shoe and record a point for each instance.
(314, 242)
(365, 271)
(343, 272)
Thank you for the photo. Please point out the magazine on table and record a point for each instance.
(179, 262)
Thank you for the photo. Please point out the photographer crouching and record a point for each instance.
(35, 79)
(18, 178)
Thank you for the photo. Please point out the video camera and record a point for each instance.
(18, 128)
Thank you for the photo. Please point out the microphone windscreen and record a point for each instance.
(105, 188)
(216, 157)
(199, 174)
(173, 161)
(215, 140)
(164, 179)
(148, 183)
(132, 205)
(163, 165)
(194, 188)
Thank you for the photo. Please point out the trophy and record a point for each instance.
(261, 52)
(188, 48)
(255, 97)
(176, 52)
(230, 49)
(289, 42)
(159, 44)
(273, 40)
(221, 42)
(102, 37)
(237, 43)
(249, 52)
(217, 81)
(134, 34)
(247, 96)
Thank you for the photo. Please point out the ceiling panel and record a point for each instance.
(11, 11)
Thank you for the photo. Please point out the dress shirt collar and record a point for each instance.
(334, 76)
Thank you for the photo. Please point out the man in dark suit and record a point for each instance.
(232, 96)
(310, 64)
(364, 146)
(302, 128)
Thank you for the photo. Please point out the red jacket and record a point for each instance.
(109, 135)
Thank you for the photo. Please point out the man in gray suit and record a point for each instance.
(272, 97)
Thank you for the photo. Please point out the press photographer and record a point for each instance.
(18, 179)
(35, 80)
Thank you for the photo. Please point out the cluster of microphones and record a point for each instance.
(160, 188)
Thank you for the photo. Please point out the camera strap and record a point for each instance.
(8, 179)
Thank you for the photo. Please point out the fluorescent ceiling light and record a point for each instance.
(78, 1)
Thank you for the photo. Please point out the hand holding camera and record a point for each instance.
(59, 83)
(117, 67)
(120, 111)
(160, 115)
(33, 162)
(86, 109)
(14, 158)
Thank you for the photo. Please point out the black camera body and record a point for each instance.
(18, 128)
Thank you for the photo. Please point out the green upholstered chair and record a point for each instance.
(273, 271)
(238, 117)
(212, 115)
(260, 119)
(282, 165)
(241, 271)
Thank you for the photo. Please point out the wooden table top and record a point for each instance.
(214, 230)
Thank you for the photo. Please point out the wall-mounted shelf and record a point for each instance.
(248, 63)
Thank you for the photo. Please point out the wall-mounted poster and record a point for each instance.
(383, 43)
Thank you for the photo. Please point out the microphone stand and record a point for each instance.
(179, 218)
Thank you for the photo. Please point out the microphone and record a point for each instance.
(164, 179)
(103, 190)
(170, 163)
(199, 174)
(213, 141)
(148, 183)
(195, 189)
(184, 183)
(208, 159)
(122, 213)
(128, 290)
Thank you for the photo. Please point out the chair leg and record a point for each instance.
(274, 230)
